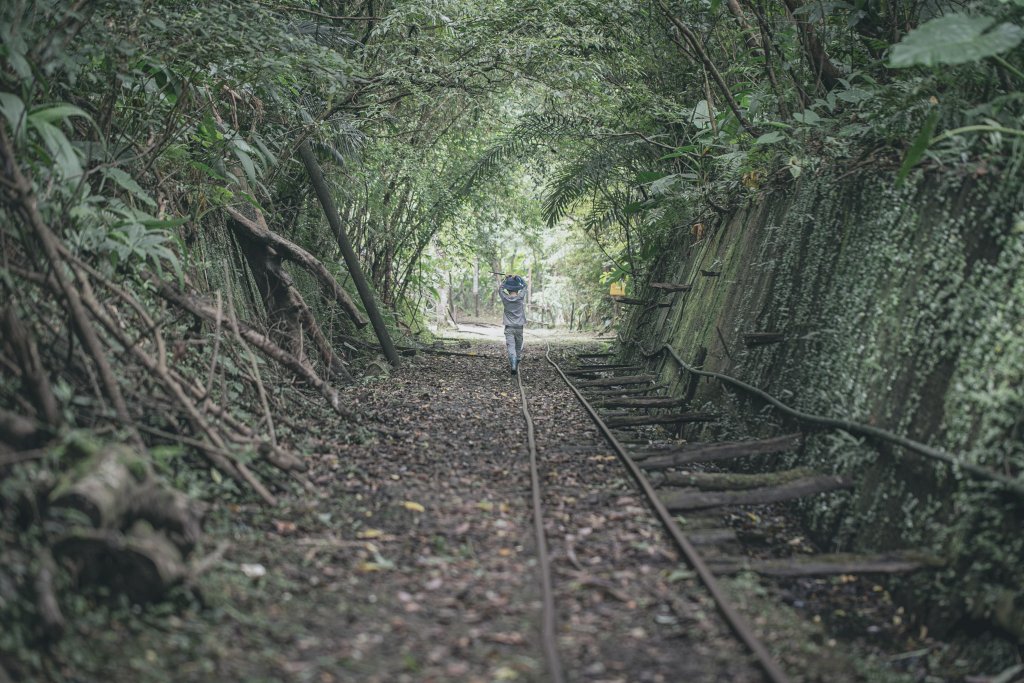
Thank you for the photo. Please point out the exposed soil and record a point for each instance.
(413, 557)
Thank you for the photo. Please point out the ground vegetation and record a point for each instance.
(174, 285)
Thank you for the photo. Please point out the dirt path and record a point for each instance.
(414, 560)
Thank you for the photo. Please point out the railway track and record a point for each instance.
(669, 487)
(554, 666)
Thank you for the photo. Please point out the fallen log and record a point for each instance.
(830, 564)
(731, 481)
(603, 368)
(138, 529)
(659, 460)
(142, 563)
(671, 286)
(171, 511)
(439, 352)
(617, 381)
(102, 486)
(323, 193)
(801, 488)
(114, 486)
(676, 418)
(598, 354)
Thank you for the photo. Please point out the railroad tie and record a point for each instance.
(807, 486)
(675, 418)
(897, 562)
(691, 453)
(617, 381)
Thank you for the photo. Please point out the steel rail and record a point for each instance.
(554, 662)
(824, 422)
(736, 621)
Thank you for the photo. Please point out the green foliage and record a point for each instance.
(918, 147)
(955, 39)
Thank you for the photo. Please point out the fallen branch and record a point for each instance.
(21, 187)
(235, 470)
(262, 342)
(312, 264)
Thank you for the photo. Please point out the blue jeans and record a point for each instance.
(514, 343)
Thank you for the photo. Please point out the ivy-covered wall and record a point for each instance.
(901, 308)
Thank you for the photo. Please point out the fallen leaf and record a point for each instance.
(505, 673)
(415, 507)
(284, 528)
(254, 571)
(370, 533)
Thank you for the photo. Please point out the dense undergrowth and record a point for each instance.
(171, 282)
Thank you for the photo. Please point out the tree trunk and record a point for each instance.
(825, 72)
(476, 288)
(369, 303)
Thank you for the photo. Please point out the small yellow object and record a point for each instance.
(617, 289)
(505, 552)
(505, 673)
(415, 507)
(370, 533)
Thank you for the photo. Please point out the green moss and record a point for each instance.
(902, 308)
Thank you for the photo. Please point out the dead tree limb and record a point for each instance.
(641, 420)
(234, 469)
(660, 460)
(265, 345)
(27, 204)
(34, 378)
(290, 316)
(896, 562)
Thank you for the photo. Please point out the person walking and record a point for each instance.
(512, 291)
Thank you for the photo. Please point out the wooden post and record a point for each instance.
(316, 177)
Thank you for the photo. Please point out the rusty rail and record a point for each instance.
(823, 422)
(736, 621)
(554, 662)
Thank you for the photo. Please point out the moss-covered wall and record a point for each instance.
(901, 308)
